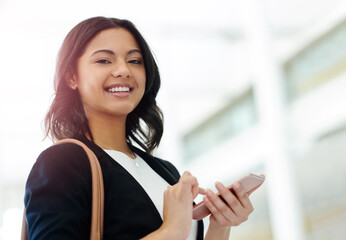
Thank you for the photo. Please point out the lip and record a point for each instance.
(114, 85)
(120, 94)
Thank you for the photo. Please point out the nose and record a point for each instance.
(121, 70)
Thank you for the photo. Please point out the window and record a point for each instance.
(238, 116)
(318, 63)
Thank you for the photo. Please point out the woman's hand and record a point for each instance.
(177, 208)
(234, 210)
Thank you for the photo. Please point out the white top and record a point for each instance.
(151, 182)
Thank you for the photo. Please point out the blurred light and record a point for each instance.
(11, 227)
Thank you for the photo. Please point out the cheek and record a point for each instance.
(143, 83)
(89, 82)
(142, 80)
(84, 88)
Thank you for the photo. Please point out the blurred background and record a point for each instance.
(247, 86)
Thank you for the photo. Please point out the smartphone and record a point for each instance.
(249, 182)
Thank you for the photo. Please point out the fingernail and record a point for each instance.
(236, 186)
(218, 184)
(209, 193)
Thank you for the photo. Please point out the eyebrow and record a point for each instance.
(112, 53)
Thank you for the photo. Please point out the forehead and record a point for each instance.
(116, 39)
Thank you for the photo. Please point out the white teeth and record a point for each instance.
(118, 89)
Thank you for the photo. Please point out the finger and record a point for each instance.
(195, 188)
(232, 200)
(219, 204)
(238, 202)
(189, 183)
(209, 202)
(242, 196)
(186, 173)
(187, 176)
(202, 191)
(195, 191)
(245, 207)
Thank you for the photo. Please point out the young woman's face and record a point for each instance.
(110, 74)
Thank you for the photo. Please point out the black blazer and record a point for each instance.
(58, 195)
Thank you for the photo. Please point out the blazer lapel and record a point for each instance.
(159, 166)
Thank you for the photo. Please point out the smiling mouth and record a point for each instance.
(119, 89)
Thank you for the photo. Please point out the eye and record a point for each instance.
(135, 61)
(103, 61)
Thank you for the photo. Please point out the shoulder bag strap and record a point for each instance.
(97, 207)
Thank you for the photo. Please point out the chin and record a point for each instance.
(122, 111)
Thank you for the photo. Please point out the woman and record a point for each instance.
(106, 83)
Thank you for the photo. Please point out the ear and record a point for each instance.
(71, 81)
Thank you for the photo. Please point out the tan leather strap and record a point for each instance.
(24, 234)
(97, 207)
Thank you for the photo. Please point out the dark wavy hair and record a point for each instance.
(66, 117)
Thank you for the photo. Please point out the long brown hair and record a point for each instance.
(66, 117)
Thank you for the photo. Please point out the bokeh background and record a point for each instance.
(247, 86)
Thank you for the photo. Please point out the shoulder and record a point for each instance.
(58, 193)
(64, 154)
(62, 157)
(60, 162)
(62, 151)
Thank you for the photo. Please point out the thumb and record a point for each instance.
(202, 191)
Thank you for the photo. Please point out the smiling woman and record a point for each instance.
(106, 83)
(77, 56)
(105, 68)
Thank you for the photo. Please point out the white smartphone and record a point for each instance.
(249, 182)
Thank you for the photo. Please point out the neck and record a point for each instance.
(109, 133)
